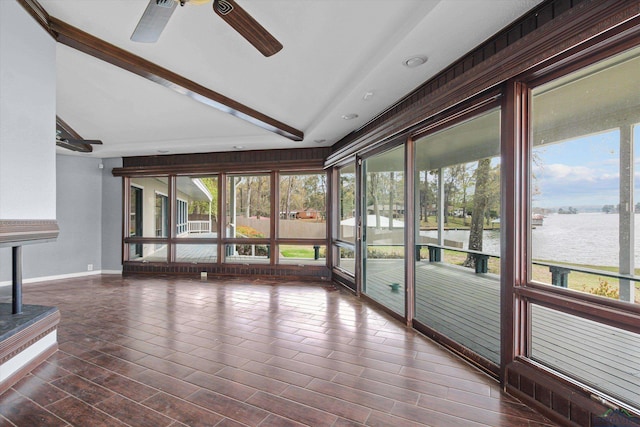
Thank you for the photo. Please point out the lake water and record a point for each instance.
(585, 238)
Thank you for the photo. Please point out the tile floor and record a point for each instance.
(160, 351)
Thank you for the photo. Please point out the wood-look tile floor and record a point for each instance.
(160, 351)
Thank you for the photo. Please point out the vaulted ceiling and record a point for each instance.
(340, 57)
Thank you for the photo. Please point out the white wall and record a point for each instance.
(27, 116)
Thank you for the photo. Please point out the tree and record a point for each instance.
(373, 192)
(480, 199)
(290, 185)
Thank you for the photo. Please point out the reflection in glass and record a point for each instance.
(584, 188)
(457, 283)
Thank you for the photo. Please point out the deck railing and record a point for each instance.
(560, 273)
(435, 255)
(199, 227)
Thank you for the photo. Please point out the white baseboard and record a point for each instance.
(63, 276)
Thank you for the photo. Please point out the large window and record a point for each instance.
(584, 185)
(457, 274)
(176, 219)
(583, 231)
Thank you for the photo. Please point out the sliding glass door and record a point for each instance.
(383, 229)
(457, 269)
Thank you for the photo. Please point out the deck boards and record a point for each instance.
(598, 354)
(465, 307)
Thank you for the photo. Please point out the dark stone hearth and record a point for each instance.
(10, 324)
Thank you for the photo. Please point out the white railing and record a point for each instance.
(199, 227)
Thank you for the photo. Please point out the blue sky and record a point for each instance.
(582, 172)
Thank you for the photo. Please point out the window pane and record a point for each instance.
(302, 206)
(458, 233)
(347, 260)
(147, 252)
(598, 355)
(241, 253)
(303, 254)
(197, 253)
(197, 206)
(583, 180)
(346, 203)
(248, 206)
(383, 223)
(149, 207)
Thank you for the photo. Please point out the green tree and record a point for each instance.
(480, 203)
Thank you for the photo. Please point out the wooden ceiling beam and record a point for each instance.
(98, 48)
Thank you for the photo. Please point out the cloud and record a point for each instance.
(575, 185)
(559, 171)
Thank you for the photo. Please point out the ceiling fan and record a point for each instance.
(69, 139)
(158, 12)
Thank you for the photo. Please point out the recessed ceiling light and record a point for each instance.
(415, 61)
(349, 116)
(163, 151)
(319, 141)
(238, 147)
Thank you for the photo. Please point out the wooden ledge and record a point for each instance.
(14, 232)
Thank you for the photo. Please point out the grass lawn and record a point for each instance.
(578, 281)
(303, 252)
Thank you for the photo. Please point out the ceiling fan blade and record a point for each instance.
(153, 21)
(248, 27)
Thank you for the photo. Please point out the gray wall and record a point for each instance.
(111, 217)
(89, 214)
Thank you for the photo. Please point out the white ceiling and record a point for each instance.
(334, 52)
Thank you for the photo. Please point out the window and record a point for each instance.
(303, 206)
(302, 255)
(457, 274)
(583, 232)
(150, 196)
(383, 239)
(584, 184)
(181, 218)
(135, 220)
(248, 206)
(347, 203)
(197, 205)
